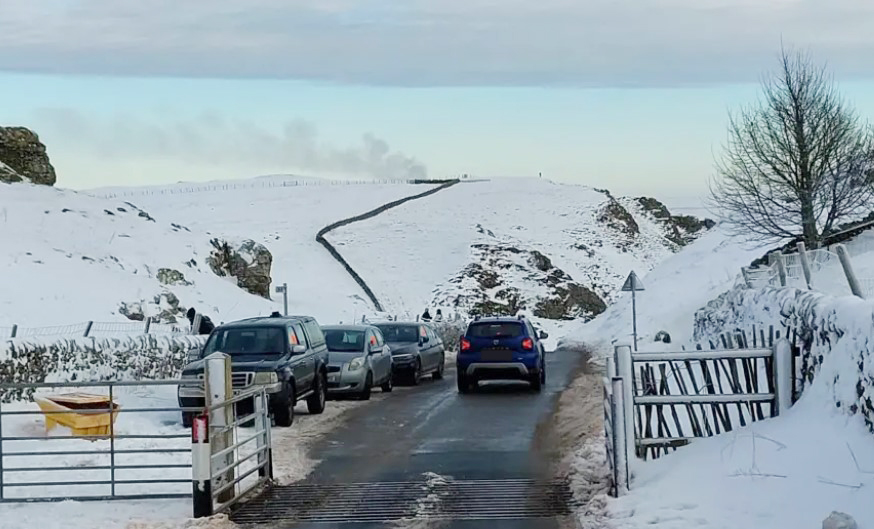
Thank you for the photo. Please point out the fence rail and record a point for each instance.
(89, 466)
(94, 328)
(656, 402)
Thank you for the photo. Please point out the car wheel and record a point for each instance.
(316, 401)
(368, 386)
(438, 375)
(416, 376)
(388, 385)
(463, 383)
(536, 381)
(283, 410)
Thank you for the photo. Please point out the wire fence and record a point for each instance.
(232, 186)
(826, 271)
(94, 328)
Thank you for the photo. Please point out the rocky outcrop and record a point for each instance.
(679, 229)
(8, 175)
(168, 276)
(618, 218)
(25, 155)
(504, 280)
(249, 263)
(163, 308)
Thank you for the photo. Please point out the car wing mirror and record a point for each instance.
(193, 355)
(375, 349)
(544, 335)
(298, 349)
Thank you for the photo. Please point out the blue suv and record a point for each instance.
(501, 348)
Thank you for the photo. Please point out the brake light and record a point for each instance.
(465, 344)
(528, 344)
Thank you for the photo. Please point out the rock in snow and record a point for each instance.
(839, 520)
(23, 153)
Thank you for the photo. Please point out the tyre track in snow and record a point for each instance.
(320, 236)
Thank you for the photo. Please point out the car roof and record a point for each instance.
(342, 327)
(498, 319)
(400, 323)
(263, 321)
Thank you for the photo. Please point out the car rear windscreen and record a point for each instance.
(243, 341)
(400, 333)
(344, 340)
(495, 330)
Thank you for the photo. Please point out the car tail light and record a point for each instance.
(465, 344)
(528, 344)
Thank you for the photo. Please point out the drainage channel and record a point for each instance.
(438, 499)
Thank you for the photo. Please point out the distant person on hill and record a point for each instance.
(206, 325)
(426, 316)
(439, 315)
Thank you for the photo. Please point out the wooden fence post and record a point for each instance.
(195, 325)
(148, 325)
(805, 264)
(746, 275)
(625, 370)
(781, 267)
(88, 328)
(620, 441)
(14, 330)
(847, 264)
(783, 375)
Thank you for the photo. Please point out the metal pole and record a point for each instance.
(634, 317)
(620, 441)
(201, 473)
(111, 443)
(285, 297)
(625, 370)
(783, 375)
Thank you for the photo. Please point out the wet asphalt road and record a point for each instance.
(500, 432)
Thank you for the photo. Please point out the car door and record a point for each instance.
(304, 364)
(383, 358)
(437, 347)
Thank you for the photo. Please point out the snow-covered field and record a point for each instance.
(782, 473)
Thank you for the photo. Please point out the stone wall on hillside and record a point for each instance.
(23, 153)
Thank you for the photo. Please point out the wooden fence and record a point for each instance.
(671, 398)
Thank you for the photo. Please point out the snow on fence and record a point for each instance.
(821, 269)
(94, 328)
(660, 401)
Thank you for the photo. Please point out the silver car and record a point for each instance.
(358, 360)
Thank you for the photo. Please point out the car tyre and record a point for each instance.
(536, 381)
(283, 410)
(316, 401)
(416, 375)
(438, 374)
(465, 383)
(388, 385)
(368, 387)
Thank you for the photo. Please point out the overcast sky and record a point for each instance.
(632, 93)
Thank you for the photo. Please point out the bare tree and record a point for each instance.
(797, 163)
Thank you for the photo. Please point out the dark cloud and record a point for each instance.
(435, 42)
(212, 139)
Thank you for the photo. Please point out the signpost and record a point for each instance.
(284, 291)
(633, 284)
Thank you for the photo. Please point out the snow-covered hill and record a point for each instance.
(80, 256)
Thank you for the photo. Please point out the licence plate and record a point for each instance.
(497, 355)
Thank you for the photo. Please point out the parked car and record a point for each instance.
(358, 360)
(503, 348)
(285, 355)
(416, 350)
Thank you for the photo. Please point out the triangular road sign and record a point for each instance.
(633, 283)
